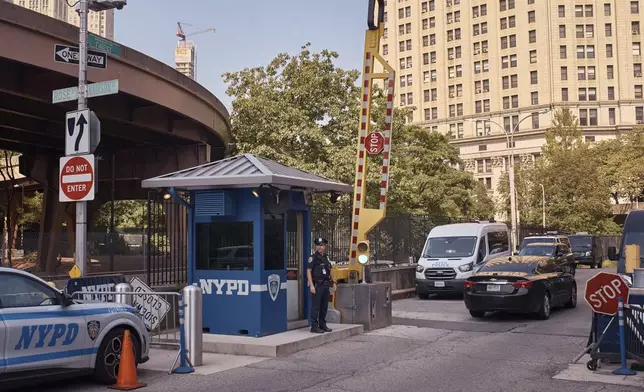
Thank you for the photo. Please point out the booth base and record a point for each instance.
(277, 345)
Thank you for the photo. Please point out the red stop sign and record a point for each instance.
(602, 291)
(375, 143)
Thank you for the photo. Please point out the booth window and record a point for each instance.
(224, 246)
(274, 242)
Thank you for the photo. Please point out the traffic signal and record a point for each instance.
(363, 252)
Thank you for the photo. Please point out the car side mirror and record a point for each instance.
(612, 253)
(67, 300)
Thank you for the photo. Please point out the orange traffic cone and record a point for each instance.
(126, 379)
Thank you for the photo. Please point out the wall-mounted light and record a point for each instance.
(256, 192)
(334, 197)
(167, 196)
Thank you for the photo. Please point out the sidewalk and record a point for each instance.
(579, 372)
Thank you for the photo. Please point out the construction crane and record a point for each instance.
(365, 219)
(182, 36)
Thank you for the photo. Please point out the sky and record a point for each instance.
(249, 33)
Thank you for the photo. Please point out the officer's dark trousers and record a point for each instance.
(319, 305)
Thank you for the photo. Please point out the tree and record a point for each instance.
(303, 111)
(128, 214)
(483, 205)
(8, 177)
(577, 192)
(525, 187)
(622, 163)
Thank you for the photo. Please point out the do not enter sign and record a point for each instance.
(76, 178)
(602, 291)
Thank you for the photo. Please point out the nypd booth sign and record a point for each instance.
(242, 287)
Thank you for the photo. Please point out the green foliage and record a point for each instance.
(483, 208)
(623, 164)
(128, 214)
(577, 192)
(29, 211)
(303, 111)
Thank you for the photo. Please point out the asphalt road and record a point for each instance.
(434, 346)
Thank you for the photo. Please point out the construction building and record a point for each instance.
(185, 58)
(463, 62)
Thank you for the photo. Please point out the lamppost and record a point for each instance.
(509, 136)
(543, 205)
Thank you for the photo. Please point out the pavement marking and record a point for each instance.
(579, 372)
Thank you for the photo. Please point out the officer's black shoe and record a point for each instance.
(317, 330)
(326, 329)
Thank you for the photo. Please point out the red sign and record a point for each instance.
(602, 291)
(77, 178)
(375, 143)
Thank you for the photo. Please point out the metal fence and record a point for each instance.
(160, 312)
(634, 328)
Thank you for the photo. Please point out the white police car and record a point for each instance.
(44, 333)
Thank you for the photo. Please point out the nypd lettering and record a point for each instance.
(98, 288)
(49, 335)
(227, 286)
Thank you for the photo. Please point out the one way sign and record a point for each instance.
(70, 55)
(82, 133)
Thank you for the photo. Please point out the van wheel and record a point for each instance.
(108, 357)
(477, 313)
(423, 296)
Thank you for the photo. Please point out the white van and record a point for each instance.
(453, 252)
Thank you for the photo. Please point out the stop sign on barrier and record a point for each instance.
(602, 291)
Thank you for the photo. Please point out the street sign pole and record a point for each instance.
(81, 206)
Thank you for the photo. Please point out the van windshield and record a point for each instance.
(438, 247)
(579, 242)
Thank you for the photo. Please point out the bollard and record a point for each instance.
(193, 314)
(123, 299)
(183, 366)
(623, 370)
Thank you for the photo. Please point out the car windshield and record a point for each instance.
(449, 247)
(537, 250)
(585, 242)
(503, 265)
(535, 240)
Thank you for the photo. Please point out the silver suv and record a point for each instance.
(550, 237)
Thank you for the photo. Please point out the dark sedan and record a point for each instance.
(520, 284)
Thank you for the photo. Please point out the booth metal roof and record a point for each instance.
(244, 171)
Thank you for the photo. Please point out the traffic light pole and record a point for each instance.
(81, 206)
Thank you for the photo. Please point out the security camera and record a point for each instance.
(104, 5)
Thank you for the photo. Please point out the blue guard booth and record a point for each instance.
(248, 240)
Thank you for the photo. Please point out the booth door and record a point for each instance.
(295, 264)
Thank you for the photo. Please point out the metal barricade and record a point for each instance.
(161, 312)
(634, 326)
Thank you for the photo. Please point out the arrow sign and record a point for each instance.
(70, 55)
(83, 132)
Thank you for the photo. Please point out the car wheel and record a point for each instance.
(546, 307)
(477, 313)
(423, 296)
(593, 265)
(108, 357)
(599, 264)
(572, 303)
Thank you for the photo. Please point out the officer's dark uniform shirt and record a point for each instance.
(320, 268)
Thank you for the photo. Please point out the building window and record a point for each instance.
(562, 52)
(609, 50)
(531, 17)
(611, 93)
(607, 9)
(534, 97)
(532, 36)
(611, 116)
(637, 51)
(427, 114)
(638, 91)
(608, 29)
(635, 7)
(589, 139)
(562, 31)
(533, 77)
(535, 120)
(637, 70)
(581, 73)
(562, 11)
(564, 94)
(385, 49)
(639, 114)
(564, 73)
(515, 101)
(533, 57)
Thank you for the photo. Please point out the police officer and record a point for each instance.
(318, 273)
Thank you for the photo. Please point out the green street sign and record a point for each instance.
(103, 45)
(93, 90)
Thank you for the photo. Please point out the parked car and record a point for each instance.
(552, 237)
(520, 284)
(587, 249)
(559, 252)
(453, 252)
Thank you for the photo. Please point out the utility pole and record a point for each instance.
(81, 206)
(543, 205)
